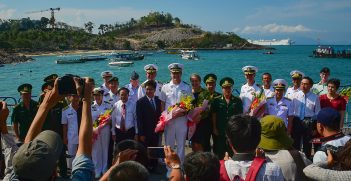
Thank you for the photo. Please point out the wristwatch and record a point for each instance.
(175, 166)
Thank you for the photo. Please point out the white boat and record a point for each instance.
(189, 55)
(121, 63)
(271, 42)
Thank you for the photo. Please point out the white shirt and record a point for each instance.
(97, 110)
(268, 172)
(312, 104)
(104, 87)
(290, 92)
(111, 98)
(141, 90)
(280, 109)
(133, 92)
(320, 88)
(70, 118)
(130, 119)
(268, 92)
(320, 156)
(247, 95)
(171, 93)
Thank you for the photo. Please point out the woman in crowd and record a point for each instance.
(333, 99)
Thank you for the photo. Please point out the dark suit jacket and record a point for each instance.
(147, 117)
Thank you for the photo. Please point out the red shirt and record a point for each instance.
(338, 103)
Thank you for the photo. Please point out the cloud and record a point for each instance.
(271, 28)
(6, 13)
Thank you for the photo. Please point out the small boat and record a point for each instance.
(268, 53)
(129, 56)
(93, 58)
(121, 63)
(173, 52)
(330, 52)
(189, 55)
(69, 61)
(2, 65)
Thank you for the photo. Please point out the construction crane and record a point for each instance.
(52, 19)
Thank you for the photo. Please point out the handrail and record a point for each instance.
(4, 98)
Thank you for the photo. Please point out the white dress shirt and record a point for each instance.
(291, 92)
(69, 117)
(130, 119)
(312, 105)
(247, 95)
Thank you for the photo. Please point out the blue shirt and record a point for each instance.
(83, 168)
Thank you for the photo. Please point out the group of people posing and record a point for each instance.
(133, 111)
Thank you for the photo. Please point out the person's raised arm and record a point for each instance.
(4, 113)
(50, 100)
(86, 125)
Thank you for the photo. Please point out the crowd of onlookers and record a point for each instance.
(269, 132)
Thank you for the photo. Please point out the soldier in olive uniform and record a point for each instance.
(223, 108)
(24, 113)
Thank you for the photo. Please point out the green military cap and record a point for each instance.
(45, 85)
(112, 79)
(280, 84)
(226, 82)
(25, 88)
(297, 74)
(50, 78)
(210, 78)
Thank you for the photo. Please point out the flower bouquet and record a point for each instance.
(179, 109)
(100, 122)
(257, 105)
(346, 93)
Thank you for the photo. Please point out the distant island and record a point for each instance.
(151, 32)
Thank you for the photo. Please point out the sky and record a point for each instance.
(304, 21)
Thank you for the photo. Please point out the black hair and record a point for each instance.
(151, 83)
(129, 171)
(123, 88)
(266, 73)
(343, 157)
(243, 132)
(201, 166)
(309, 80)
(134, 145)
(336, 82)
(196, 76)
(325, 70)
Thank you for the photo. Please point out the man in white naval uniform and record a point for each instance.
(69, 120)
(176, 129)
(279, 105)
(100, 145)
(151, 72)
(133, 87)
(296, 80)
(112, 96)
(250, 89)
(266, 84)
(106, 75)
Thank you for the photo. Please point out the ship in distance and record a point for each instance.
(271, 42)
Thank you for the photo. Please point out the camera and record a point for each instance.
(66, 84)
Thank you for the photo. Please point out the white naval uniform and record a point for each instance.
(291, 92)
(175, 130)
(104, 87)
(111, 98)
(268, 92)
(101, 144)
(133, 93)
(70, 118)
(247, 95)
(280, 109)
(141, 90)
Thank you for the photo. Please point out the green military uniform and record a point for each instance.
(223, 112)
(23, 116)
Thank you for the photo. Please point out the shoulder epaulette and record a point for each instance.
(106, 94)
(65, 108)
(185, 83)
(107, 102)
(258, 85)
(287, 98)
(269, 97)
(159, 82)
(142, 85)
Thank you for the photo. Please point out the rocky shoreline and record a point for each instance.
(8, 58)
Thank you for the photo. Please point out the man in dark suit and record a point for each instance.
(148, 111)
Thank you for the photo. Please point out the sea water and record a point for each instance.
(223, 63)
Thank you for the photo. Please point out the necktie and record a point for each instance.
(153, 103)
(303, 107)
(123, 118)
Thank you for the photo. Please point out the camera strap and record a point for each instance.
(328, 138)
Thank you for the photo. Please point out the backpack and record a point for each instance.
(251, 174)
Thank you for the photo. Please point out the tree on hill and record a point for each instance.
(89, 26)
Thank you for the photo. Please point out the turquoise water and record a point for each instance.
(222, 63)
